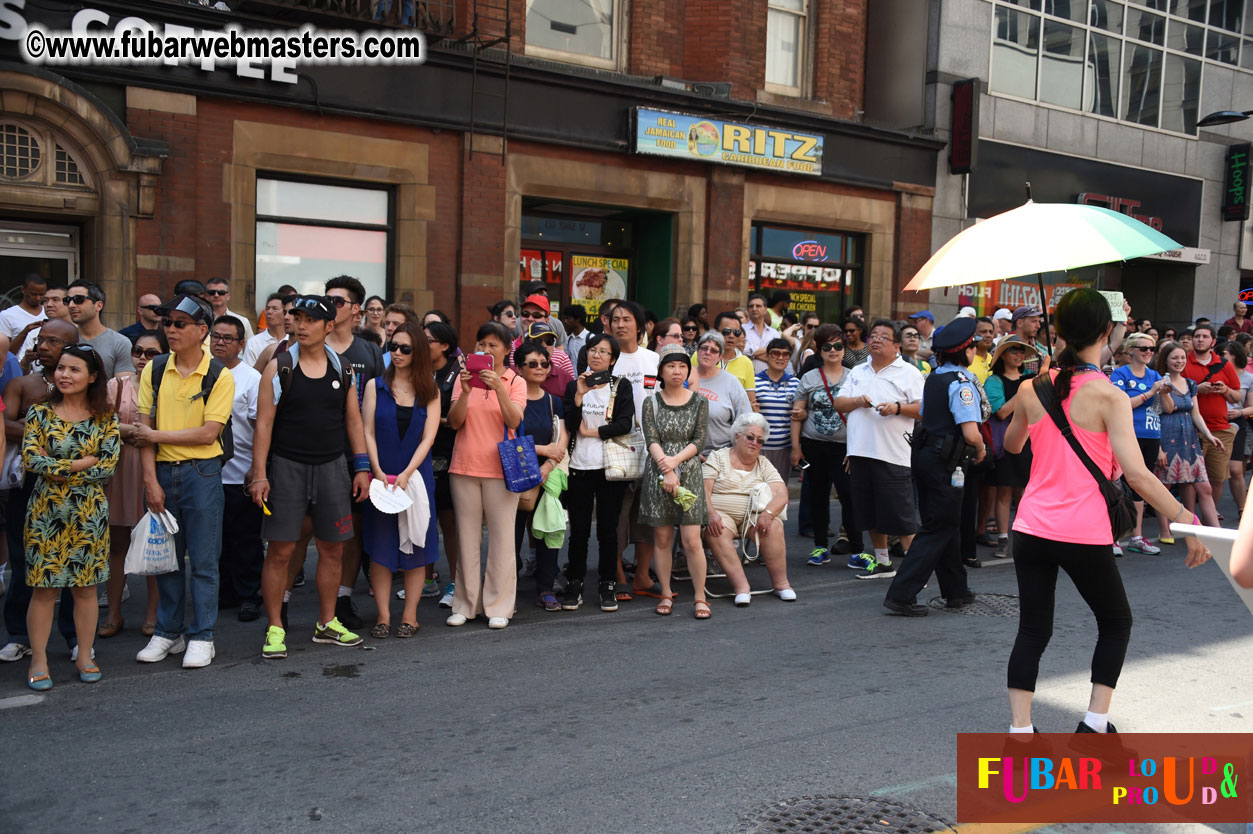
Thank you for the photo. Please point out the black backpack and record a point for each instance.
(227, 437)
(284, 371)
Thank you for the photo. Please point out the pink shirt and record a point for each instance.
(475, 452)
(1062, 501)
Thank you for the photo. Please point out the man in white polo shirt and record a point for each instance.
(880, 401)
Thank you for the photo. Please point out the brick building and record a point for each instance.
(672, 152)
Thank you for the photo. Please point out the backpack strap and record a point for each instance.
(158, 373)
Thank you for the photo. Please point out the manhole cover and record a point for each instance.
(985, 605)
(842, 815)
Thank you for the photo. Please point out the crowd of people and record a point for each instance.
(676, 438)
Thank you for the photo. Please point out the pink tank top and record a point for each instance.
(1062, 501)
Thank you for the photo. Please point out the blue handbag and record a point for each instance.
(519, 461)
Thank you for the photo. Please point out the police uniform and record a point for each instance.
(949, 398)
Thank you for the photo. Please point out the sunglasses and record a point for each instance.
(337, 301)
(178, 324)
(78, 299)
(393, 347)
(148, 353)
(727, 331)
(779, 354)
(755, 439)
(690, 329)
(217, 292)
(831, 347)
(1143, 348)
(852, 331)
(710, 348)
(550, 341)
(538, 315)
(83, 350)
(152, 308)
(223, 337)
(536, 363)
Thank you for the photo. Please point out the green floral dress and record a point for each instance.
(674, 427)
(67, 522)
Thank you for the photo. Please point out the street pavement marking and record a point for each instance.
(20, 701)
(1230, 706)
(921, 784)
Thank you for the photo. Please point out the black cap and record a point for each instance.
(314, 306)
(189, 287)
(954, 335)
(196, 307)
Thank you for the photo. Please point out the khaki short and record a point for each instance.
(1217, 460)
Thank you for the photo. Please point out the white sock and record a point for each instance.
(1098, 721)
(881, 556)
(286, 596)
(1014, 731)
(344, 591)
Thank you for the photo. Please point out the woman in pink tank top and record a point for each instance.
(1062, 519)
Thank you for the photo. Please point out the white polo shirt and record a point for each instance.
(869, 434)
(754, 342)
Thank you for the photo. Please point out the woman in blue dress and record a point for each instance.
(399, 436)
(1181, 462)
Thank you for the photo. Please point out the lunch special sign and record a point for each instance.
(663, 133)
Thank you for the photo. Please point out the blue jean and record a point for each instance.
(17, 601)
(193, 494)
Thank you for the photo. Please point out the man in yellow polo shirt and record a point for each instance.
(181, 454)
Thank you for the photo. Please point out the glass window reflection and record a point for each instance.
(1014, 53)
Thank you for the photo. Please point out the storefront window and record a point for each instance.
(309, 232)
(584, 262)
(823, 271)
(581, 30)
(785, 44)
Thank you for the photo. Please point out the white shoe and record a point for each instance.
(14, 651)
(2, 588)
(497, 622)
(456, 620)
(743, 599)
(400, 594)
(199, 654)
(104, 598)
(785, 594)
(159, 648)
(74, 654)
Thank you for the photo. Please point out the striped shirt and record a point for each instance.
(774, 401)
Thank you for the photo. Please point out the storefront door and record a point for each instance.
(48, 251)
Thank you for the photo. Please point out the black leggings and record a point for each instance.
(826, 467)
(1092, 569)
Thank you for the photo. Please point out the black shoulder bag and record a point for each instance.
(1118, 496)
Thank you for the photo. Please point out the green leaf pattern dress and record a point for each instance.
(674, 428)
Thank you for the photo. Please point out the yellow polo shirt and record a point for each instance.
(178, 410)
(981, 367)
(741, 367)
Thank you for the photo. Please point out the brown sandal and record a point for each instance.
(107, 630)
(380, 631)
(406, 630)
(697, 611)
(666, 606)
(148, 628)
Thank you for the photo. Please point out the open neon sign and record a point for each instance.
(809, 250)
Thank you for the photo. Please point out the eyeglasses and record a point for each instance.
(727, 331)
(337, 301)
(147, 353)
(537, 363)
(910, 335)
(78, 299)
(599, 351)
(880, 338)
(178, 324)
(538, 315)
(393, 347)
(755, 439)
(690, 328)
(49, 340)
(831, 347)
(779, 354)
(223, 337)
(710, 348)
(217, 292)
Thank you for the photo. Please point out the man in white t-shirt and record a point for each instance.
(758, 333)
(20, 320)
(880, 401)
(274, 330)
(639, 365)
(218, 294)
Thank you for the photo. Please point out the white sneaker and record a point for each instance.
(497, 622)
(199, 654)
(159, 648)
(449, 592)
(785, 594)
(14, 651)
(104, 598)
(456, 620)
(74, 654)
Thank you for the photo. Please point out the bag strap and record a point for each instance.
(823, 373)
(117, 398)
(158, 373)
(1054, 410)
(1213, 368)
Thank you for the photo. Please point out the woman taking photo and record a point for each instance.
(399, 414)
(1181, 462)
(541, 420)
(674, 434)
(597, 409)
(737, 483)
(1063, 521)
(726, 396)
(1012, 469)
(485, 405)
(856, 350)
(1142, 385)
(126, 488)
(71, 443)
(441, 341)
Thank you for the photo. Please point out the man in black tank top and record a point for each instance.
(298, 468)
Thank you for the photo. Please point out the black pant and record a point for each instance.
(937, 545)
(239, 566)
(1092, 569)
(588, 487)
(826, 467)
(970, 525)
(17, 600)
(545, 556)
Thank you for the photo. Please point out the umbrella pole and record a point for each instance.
(1044, 307)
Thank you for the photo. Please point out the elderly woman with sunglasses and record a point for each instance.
(726, 395)
(733, 360)
(747, 499)
(1142, 384)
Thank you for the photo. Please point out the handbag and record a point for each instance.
(529, 499)
(518, 462)
(1118, 496)
(624, 456)
(151, 551)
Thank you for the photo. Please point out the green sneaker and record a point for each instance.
(274, 647)
(334, 632)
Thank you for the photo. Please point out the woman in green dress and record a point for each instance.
(71, 442)
(674, 432)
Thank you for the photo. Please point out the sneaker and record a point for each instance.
(335, 633)
(785, 594)
(548, 602)
(159, 648)
(1002, 548)
(528, 566)
(455, 620)
(498, 622)
(1117, 550)
(861, 561)
(430, 589)
(449, 590)
(879, 570)
(199, 654)
(572, 598)
(841, 539)
(300, 579)
(399, 594)
(14, 651)
(274, 647)
(818, 557)
(249, 611)
(74, 654)
(1139, 545)
(1165, 540)
(346, 613)
(608, 596)
(104, 598)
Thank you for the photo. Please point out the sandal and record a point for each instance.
(666, 605)
(698, 612)
(148, 628)
(381, 630)
(623, 595)
(90, 674)
(406, 630)
(40, 683)
(107, 630)
(653, 590)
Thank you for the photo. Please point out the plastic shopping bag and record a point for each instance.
(152, 545)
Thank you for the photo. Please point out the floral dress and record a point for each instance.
(674, 427)
(67, 522)
(1185, 462)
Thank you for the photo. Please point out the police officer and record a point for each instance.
(948, 426)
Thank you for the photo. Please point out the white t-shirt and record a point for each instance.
(256, 346)
(869, 434)
(753, 343)
(641, 368)
(14, 318)
(243, 423)
(589, 452)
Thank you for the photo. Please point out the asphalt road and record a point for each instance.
(585, 721)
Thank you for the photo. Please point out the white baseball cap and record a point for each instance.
(968, 312)
(1003, 314)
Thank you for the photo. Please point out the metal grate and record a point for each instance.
(67, 172)
(842, 815)
(20, 154)
(985, 605)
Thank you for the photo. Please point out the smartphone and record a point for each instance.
(476, 362)
(802, 466)
(599, 378)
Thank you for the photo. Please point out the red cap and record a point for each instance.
(538, 300)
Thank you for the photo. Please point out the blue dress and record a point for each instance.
(1185, 461)
(381, 535)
